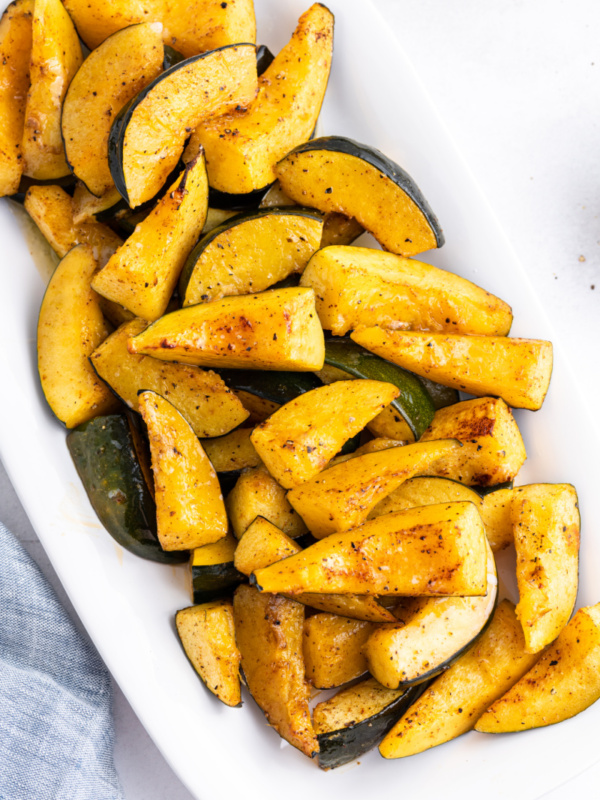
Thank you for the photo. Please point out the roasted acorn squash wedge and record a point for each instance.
(70, 327)
(458, 697)
(342, 496)
(112, 74)
(148, 135)
(275, 387)
(55, 58)
(207, 635)
(242, 147)
(358, 286)
(356, 719)
(429, 551)
(212, 570)
(250, 253)
(517, 370)
(333, 649)
(299, 440)
(268, 632)
(15, 54)
(432, 634)
(199, 395)
(189, 505)
(333, 173)
(143, 273)
(273, 330)
(564, 682)
(104, 453)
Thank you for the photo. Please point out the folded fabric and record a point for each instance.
(56, 729)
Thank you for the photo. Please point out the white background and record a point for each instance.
(517, 83)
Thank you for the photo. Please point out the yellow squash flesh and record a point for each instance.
(356, 286)
(55, 58)
(299, 440)
(143, 273)
(15, 54)
(545, 520)
(268, 632)
(251, 256)
(333, 649)
(493, 450)
(433, 550)
(200, 396)
(495, 513)
(517, 370)
(111, 75)
(243, 147)
(564, 682)
(208, 638)
(454, 702)
(86, 205)
(189, 506)
(342, 497)
(159, 125)
(70, 327)
(232, 452)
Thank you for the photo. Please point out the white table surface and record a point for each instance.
(518, 86)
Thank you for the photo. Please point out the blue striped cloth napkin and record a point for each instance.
(56, 729)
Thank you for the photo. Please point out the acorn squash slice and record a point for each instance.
(356, 719)
(148, 135)
(189, 506)
(274, 330)
(104, 453)
(55, 58)
(301, 438)
(250, 253)
(333, 173)
(430, 551)
(207, 635)
(212, 570)
(268, 632)
(333, 649)
(143, 273)
(243, 146)
(199, 395)
(232, 453)
(517, 370)
(112, 74)
(433, 633)
(70, 327)
(15, 54)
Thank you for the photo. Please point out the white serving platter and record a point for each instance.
(127, 604)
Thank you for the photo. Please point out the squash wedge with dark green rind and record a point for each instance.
(55, 58)
(105, 458)
(435, 632)
(250, 253)
(278, 387)
(413, 403)
(148, 135)
(199, 395)
(243, 146)
(212, 570)
(15, 52)
(435, 550)
(143, 273)
(70, 327)
(274, 330)
(109, 78)
(333, 173)
(356, 719)
(190, 511)
(207, 635)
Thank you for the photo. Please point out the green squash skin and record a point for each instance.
(104, 456)
(413, 403)
(278, 387)
(232, 222)
(171, 57)
(264, 58)
(212, 581)
(385, 165)
(346, 744)
(116, 138)
(483, 490)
